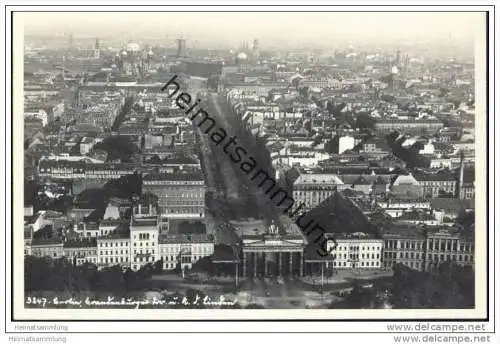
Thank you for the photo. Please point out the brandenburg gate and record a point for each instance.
(275, 253)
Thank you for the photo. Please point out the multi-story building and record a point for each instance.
(428, 126)
(180, 194)
(61, 169)
(42, 247)
(424, 248)
(376, 148)
(260, 90)
(312, 189)
(466, 183)
(304, 158)
(184, 249)
(81, 251)
(101, 115)
(404, 245)
(390, 204)
(144, 234)
(322, 83)
(355, 251)
(439, 184)
(109, 171)
(87, 229)
(146, 206)
(447, 245)
(80, 168)
(114, 249)
(107, 226)
(37, 113)
(28, 237)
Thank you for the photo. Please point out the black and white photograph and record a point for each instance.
(280, 164)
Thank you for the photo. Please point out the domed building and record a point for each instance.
(241, 58)
(395, 81)
(132, 47)
(241, 61)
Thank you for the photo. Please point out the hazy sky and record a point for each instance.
(269, 28)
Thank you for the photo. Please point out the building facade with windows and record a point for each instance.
(356, 251)
(425, 248)
(404, 245)
(184, 249)
(437, 184)
(180, 194)
(41, 247)
(448, 246)
(420, 127)
(312, 189)
(144, 234)
(81, 251)
(113, 249)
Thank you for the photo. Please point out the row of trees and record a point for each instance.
(66, 280)
(118, 148)
(45, 274)
(410, 156)
(125, 187)
(450, 286)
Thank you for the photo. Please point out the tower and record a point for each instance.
(149, 56)
(461, 176)
(70, 42)
(256, 49)
(398, 58)
(97, 48)
(181, 47)
(63, 66)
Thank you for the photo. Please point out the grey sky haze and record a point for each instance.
(270, 27)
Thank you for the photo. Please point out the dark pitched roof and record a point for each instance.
(84, 242)
(451, 204)
(312, 255)
(225, 253)
(439, 176)
(194, 176)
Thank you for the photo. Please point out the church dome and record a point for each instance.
(242, 56)
(133, 47)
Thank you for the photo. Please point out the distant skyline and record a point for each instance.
(271, 28)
